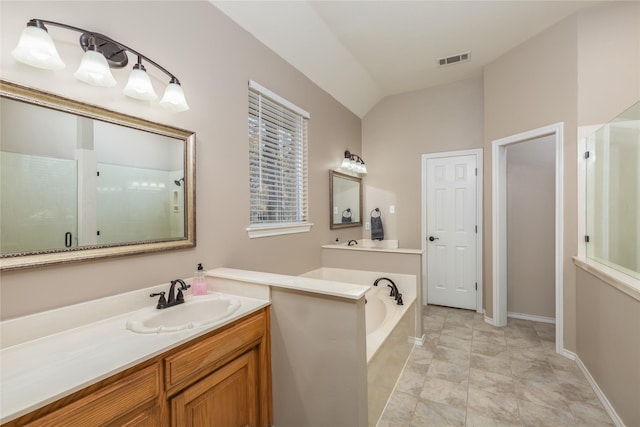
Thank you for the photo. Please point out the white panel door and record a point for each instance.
(451, 231)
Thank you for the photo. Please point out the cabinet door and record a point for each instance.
(227, 397)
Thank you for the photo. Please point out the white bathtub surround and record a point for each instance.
(382, 317)
(406, 284)
(390, 329)
(385, 366)
(396, 261)
(52, 354)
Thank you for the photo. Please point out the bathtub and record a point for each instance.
(390, 329)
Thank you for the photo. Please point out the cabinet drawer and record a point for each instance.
(107, 403)
(201, 358)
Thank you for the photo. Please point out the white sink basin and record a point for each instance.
(194, 312)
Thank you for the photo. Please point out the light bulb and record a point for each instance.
(94, 69)
(173, 98)
(139, 85)
(346, 164)
(36, 48)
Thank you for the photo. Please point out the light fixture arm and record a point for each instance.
(100, 38)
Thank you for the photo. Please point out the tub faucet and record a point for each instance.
(394, 288)
(395, 293)
(352, 242)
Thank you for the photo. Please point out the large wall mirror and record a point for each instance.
(345, 200)
(80, 182)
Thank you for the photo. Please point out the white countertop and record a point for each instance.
(43, 370)
(53, 354)
(345, 247)
(316, 286)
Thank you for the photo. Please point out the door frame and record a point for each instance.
(499, 222)
(479, 241)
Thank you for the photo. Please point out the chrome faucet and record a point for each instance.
(394, 289)
(173, 298)
(352, 242)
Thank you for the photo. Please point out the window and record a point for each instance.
(613, 194)
(277, 165)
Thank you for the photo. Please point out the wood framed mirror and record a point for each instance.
(345, 200)
(80, 182)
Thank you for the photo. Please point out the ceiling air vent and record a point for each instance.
(460, 57)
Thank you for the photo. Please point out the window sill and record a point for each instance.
(620, 281)
(277, 230)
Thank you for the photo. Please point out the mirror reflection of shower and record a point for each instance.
(178, 181)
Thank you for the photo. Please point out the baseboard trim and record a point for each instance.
(596, 388)
(531, 317)
(489, 320)
(418, 340)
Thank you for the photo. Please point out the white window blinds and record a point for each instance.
(277, 162)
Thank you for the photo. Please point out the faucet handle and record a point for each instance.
(393, 291)
(183, 287)
(399, 299)
(162, 301)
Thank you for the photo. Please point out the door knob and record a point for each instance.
(431, 238)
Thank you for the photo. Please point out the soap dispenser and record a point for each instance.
(199, 282)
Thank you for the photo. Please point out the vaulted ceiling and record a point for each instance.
(362, 51)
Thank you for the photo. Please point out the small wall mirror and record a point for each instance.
(345, 200)
(81, 182)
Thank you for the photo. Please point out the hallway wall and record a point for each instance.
(533, 86)
(531, 192)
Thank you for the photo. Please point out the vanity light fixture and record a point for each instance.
(353, 163)
(36, 48)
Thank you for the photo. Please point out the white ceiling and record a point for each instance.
(362, 51)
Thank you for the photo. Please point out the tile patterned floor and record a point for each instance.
(470, 373)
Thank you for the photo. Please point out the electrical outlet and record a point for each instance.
(367, 226)
(392, 209)
(335, 210)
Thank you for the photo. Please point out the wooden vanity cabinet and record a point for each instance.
(220, 379)
(223, 380)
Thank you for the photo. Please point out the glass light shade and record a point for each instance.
(36, 48)
(94, 70)
(363, 169)
(139, 86)
(346, 164)
(173, 99)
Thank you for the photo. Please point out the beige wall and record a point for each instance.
(213, 58)
(532, 86)
(319, 366)
(608, 321)
(608, 61)
(530, 227)
(609, 342)
(397, 132)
